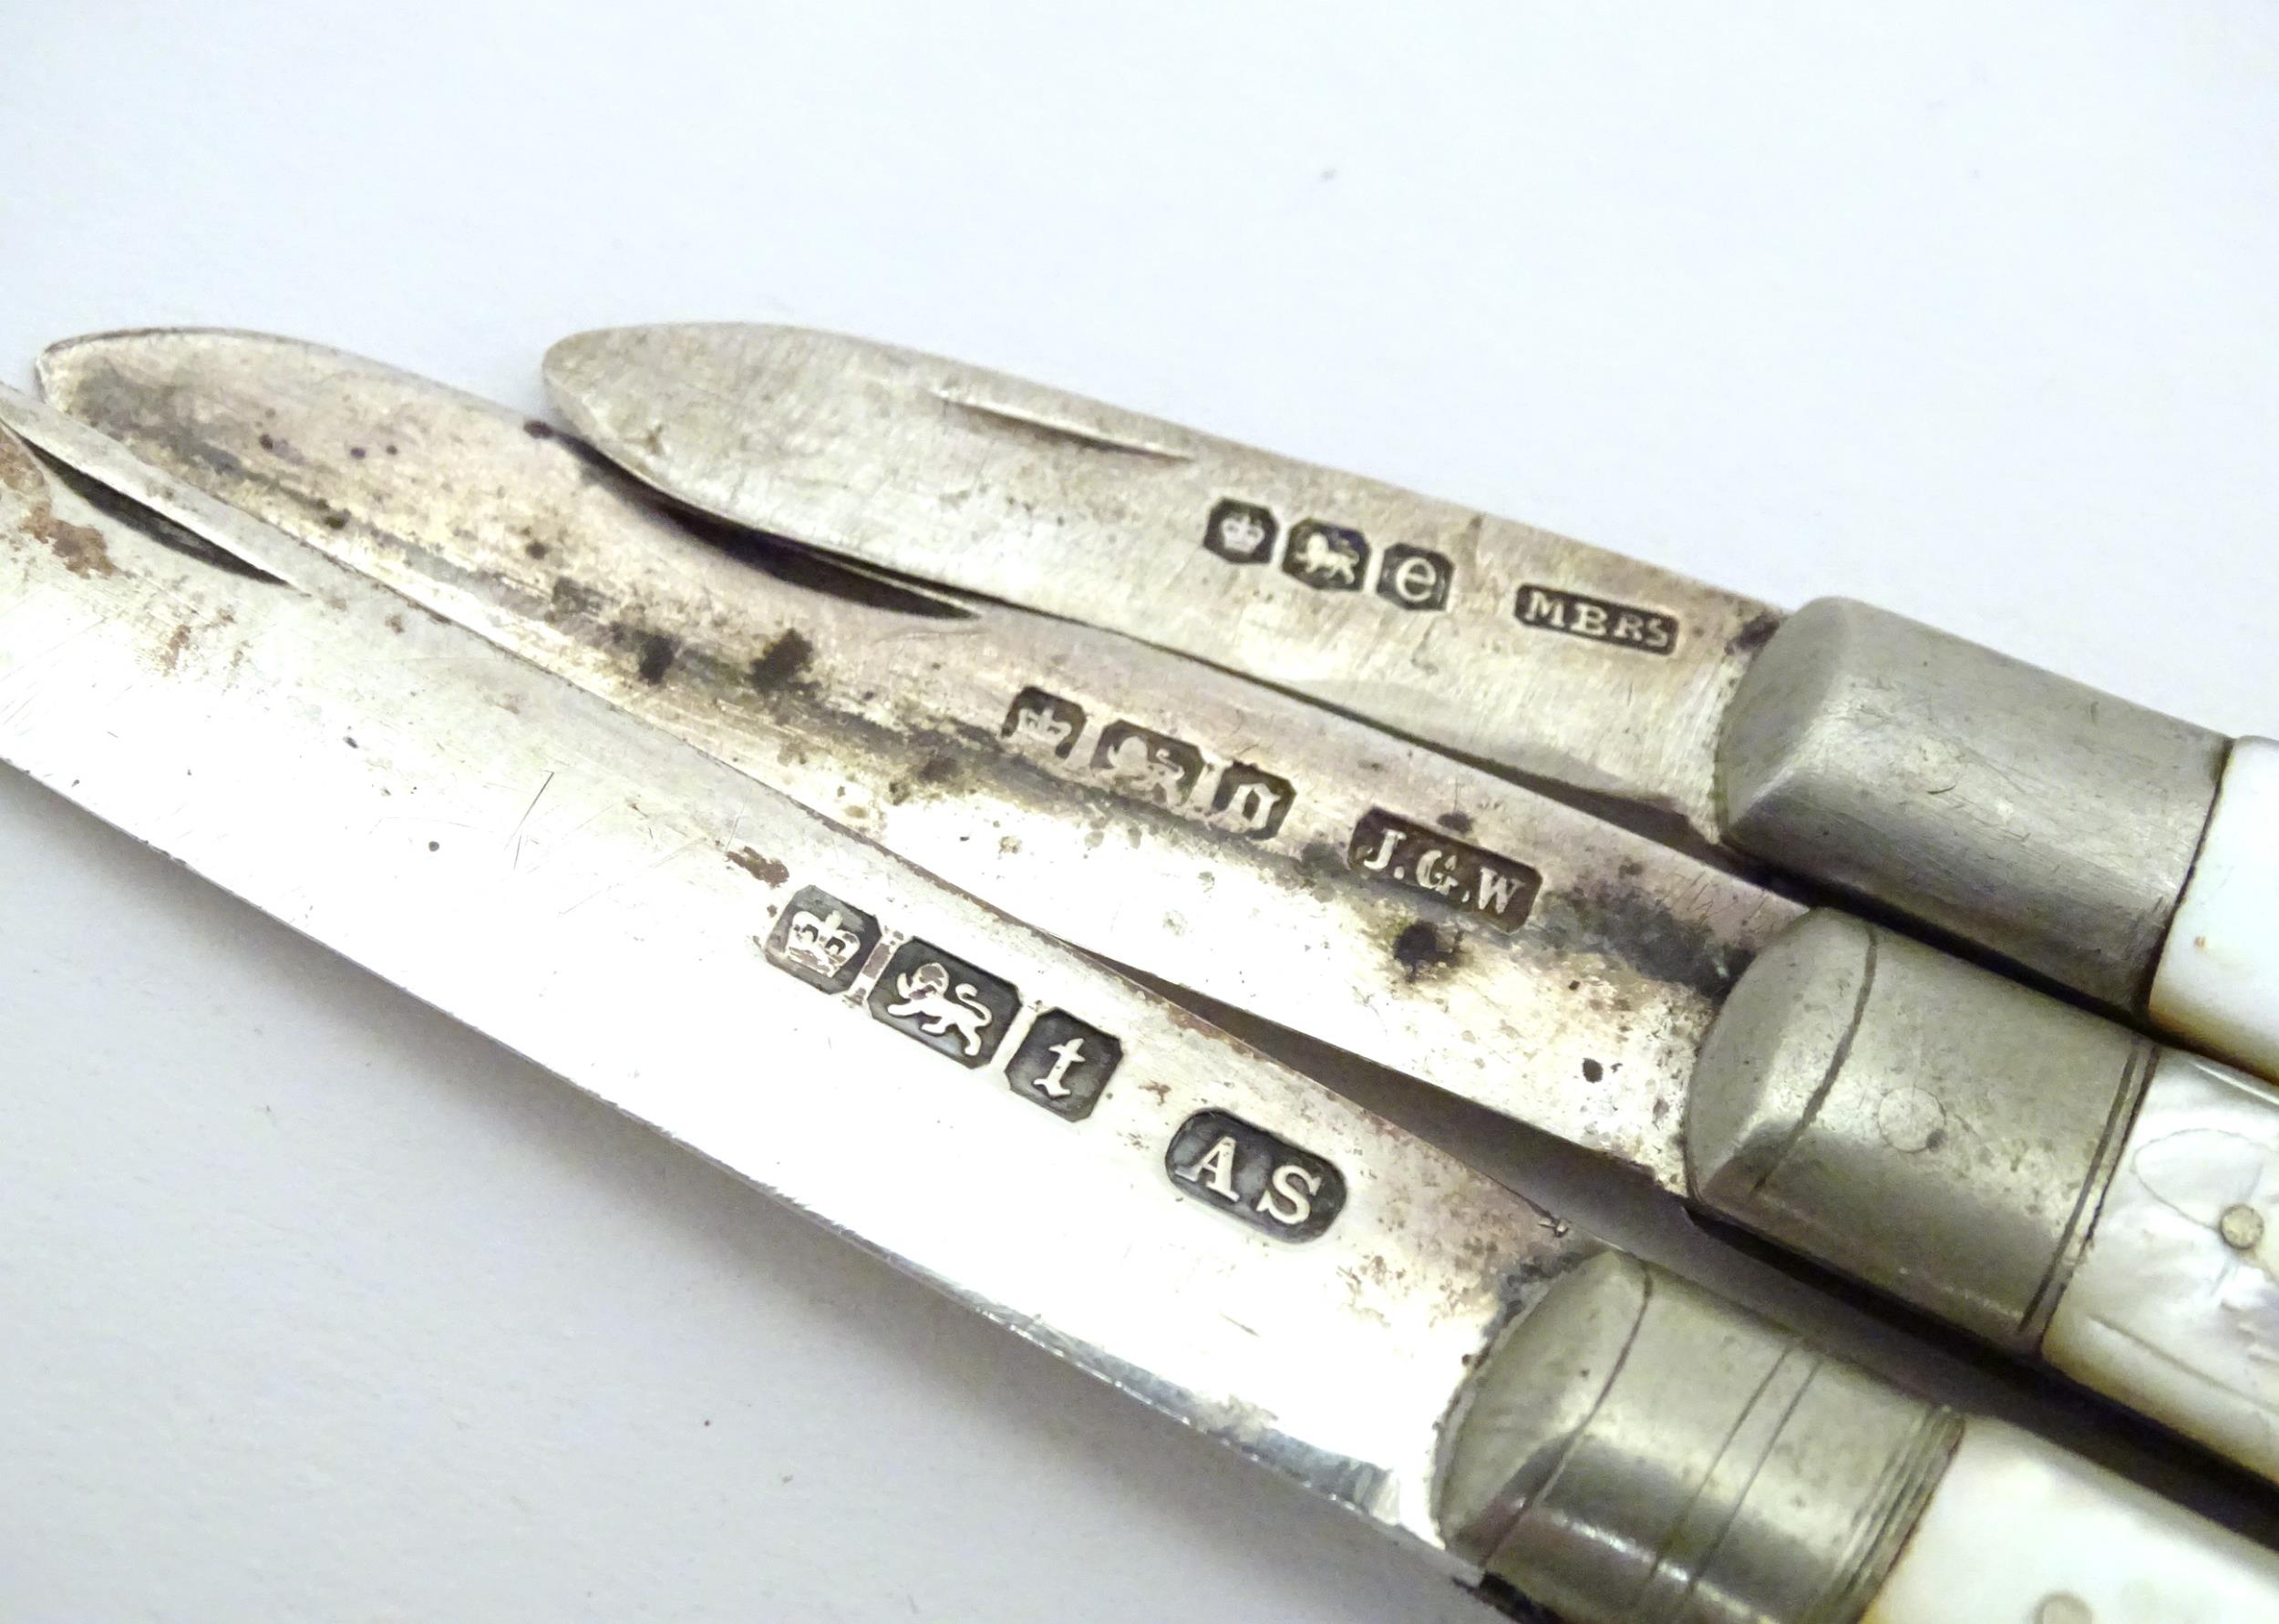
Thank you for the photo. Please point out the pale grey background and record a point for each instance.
(313, 1306)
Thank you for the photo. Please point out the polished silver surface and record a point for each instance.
(1395, 902)
(1474, 632)
(1636, 1452)
(1914, 1121)
(2034, 815)
(588, 891)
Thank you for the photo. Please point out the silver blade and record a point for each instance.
(1578, 1010)
(1493, 638)
(594, 895)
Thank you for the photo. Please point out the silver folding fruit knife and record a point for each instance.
(2127, 855)
(2044, 1178)
(1315, 1286)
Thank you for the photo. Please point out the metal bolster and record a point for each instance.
(2009, 805)
(1635, 1451)
(1916, 1122)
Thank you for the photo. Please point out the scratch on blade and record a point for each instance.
(1036, 423)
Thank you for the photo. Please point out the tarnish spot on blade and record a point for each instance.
(19, 472)
(657, 652)
(765, 870)
(1090, 437)
(1423, 949)
(779, 664)
(1755, 635)
(1635, 928)
(79, 547)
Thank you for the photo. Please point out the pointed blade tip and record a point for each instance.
(64, 369)
(572, 366)
(61, 369)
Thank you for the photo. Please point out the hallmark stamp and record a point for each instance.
(823, 941)
(944, 1002)
(1648, 631)
(1148, 765)
(1327, 557)
(1498, 889)
(1152, 765)
(1331, 558)
(1241, 533)
(1063, 1065)
(1415, 577)
(1254, 1175)
(1251, 800)
(1044, 721)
